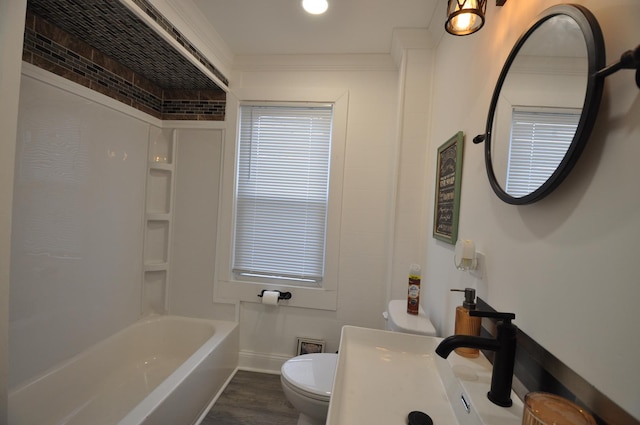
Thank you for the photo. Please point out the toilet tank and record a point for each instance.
(398, 320)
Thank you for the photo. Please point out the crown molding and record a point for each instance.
(345, 62)
(409, 38)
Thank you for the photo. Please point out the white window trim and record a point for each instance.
(228, 288)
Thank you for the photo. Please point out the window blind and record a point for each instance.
(539, 142)
(282, 192)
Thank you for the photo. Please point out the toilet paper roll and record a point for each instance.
(270, 297)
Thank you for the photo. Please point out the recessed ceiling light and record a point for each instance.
(315, 7)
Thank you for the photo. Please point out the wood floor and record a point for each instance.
(252, 398)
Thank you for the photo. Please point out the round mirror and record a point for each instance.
(544, 104)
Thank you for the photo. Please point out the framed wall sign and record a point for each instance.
(446, 209)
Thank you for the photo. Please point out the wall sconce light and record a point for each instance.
(465, 17)
(465, 255)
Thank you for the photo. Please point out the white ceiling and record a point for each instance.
(269, 27)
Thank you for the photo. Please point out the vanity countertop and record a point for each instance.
(381, 376)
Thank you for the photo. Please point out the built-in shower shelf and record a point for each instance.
(159, 186)
(162, 166)
(156, 267)
(158, 220)
(158, 216)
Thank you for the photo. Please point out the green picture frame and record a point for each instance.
(446, 209)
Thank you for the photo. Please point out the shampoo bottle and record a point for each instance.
(465, 324)
(413, 294)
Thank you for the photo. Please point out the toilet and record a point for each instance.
(307, 380)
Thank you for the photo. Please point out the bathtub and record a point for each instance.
(162, 370)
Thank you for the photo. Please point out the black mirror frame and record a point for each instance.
(596, 61)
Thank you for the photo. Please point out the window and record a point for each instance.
(539, 141)
(282, 193)
(232, 284)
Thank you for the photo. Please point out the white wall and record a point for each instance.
(197, 191)
(566, 266)
(77, 226)
(367, 204)
(12, 14)
(408, 224)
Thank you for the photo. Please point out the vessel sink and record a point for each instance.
(381, 376)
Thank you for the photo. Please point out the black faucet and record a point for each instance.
(505, 347)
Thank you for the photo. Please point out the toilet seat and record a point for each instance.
(311, 374)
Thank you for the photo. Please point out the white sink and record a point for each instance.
(381, 376)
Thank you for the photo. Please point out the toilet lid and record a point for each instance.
(407, 323)
(311, 373)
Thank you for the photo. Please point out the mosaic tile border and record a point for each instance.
(117, 31)
(53, 49)
(154, 14)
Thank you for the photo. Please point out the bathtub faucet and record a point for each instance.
(504, 346)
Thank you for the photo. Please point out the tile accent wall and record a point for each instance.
(52, 48)
(177, 35)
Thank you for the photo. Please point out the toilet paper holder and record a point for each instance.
(281, 296)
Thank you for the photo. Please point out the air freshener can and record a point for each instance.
(413, 293)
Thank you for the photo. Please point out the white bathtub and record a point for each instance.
(161, 370)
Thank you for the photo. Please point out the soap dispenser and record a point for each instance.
(465, 324)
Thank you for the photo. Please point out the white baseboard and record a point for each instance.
(261, 362)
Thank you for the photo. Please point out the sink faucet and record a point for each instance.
(504, 346)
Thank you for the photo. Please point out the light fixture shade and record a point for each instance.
(315, 7)
(465, 17)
